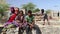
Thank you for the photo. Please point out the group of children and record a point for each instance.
(18, 19)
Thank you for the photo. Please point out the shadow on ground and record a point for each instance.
(36, 28)
(38, 31)
(1, 29)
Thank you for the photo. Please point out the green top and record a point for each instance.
(29, 19)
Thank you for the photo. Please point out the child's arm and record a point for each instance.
(33, 22)
(17, 21)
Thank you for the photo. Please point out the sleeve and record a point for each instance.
(33, 18)
(25, 18)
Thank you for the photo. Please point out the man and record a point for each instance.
(58, 15)
(46, 18)
(42, 11)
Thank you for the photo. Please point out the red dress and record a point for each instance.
(11, 19)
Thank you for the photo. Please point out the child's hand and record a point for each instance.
(32, 25)
(17, 21)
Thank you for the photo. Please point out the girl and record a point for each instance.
(21, 22)
(9, 24)
(13, 16)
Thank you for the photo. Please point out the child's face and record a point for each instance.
(21, 13)
(29, 14)
(11, 9)
(16, 10)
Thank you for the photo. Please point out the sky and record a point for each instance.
(42, 4)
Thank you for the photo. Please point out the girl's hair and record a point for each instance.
(12, 10)
(18, 10)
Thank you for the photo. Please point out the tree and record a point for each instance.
(36, 10)
(48, 11)
(29, 6)
(3, 7)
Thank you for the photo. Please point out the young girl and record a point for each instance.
(14, 13)
(9, 24)
(21, 22)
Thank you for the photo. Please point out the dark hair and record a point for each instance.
(42, 11)
(29, 11)
(18, 9)
(12, 10)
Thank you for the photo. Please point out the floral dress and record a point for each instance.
(21, 20)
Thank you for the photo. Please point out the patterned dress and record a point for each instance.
(21, 20)
(8, 24)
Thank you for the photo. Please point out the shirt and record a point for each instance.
(29, 19)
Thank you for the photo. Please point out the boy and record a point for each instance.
(30, 21)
